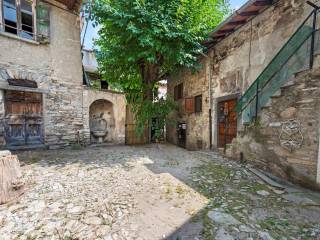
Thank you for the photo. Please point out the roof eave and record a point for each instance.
(239, 18)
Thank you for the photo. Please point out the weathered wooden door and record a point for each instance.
(23, 118)
(227, 122)
(131, 136)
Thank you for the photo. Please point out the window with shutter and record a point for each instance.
(198, 104)
(175, 94)
(178, 92)
(18, 17)
(43, 23)
(189, 105)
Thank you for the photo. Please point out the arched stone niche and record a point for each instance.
(101, 121)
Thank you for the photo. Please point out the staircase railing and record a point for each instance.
(295, 56)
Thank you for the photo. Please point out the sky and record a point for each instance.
(93, 32)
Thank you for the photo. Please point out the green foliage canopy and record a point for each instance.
(142, 41)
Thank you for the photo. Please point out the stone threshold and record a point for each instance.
(24, 147)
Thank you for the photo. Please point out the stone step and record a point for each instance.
(289, 84)
(277, 94)
(301, 72)
(311, 89)
(26, 147)
(306, 101)
(267, 105)
(267, 179)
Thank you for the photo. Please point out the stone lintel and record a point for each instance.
(24, 89)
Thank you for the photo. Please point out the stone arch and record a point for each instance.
(40, 77)
(101, 121)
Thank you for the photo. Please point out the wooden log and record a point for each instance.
(11, 185)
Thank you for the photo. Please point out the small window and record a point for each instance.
(198, 104)
(178, 92)
(26, 19)
(10, 16)
(18, 18)
(104, 84)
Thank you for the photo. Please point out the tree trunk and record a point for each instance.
(11, 185)
(150, 75)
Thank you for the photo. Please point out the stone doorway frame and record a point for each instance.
(28, 119)
(215, 119)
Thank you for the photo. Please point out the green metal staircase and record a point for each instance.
(295, 56)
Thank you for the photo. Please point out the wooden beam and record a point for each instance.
(236, 23)
(70, 4)
(226, 31)
(249, 14)
(263, 3)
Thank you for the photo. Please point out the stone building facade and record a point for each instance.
(189, 129)
(43, 99)
(235, 59)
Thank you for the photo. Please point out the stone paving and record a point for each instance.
(152, 192)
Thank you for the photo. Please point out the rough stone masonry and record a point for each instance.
(56, 68)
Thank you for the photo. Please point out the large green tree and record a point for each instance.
(142, 41)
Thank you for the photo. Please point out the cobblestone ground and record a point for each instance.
(152, 192)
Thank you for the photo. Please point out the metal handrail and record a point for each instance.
(266, 83)
(256, 83)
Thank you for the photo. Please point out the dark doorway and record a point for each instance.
(182, 134)
(157, 130)
(23, 118)
(227, 122)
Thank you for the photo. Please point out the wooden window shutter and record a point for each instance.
(175, 94)
(198, 103)
(43, 23)
(189, 105)
(180, 90)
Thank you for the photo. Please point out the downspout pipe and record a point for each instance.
(209, 75)
(210, 102)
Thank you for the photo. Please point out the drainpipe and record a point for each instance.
(318, 167)
(207, 57)
(210, 102)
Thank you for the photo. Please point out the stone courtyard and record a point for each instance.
(152, 192)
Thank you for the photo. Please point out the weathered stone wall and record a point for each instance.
(57, 69)
(234, 63)
(263, 142)
(232, 66)
(63, 116)
(2, 140)
(117, 135)
(239, 59)
(61, 57)
(197, 123)
(255, 45)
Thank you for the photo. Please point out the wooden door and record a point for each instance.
(227, 122)
(23, 118)
(131, 136)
